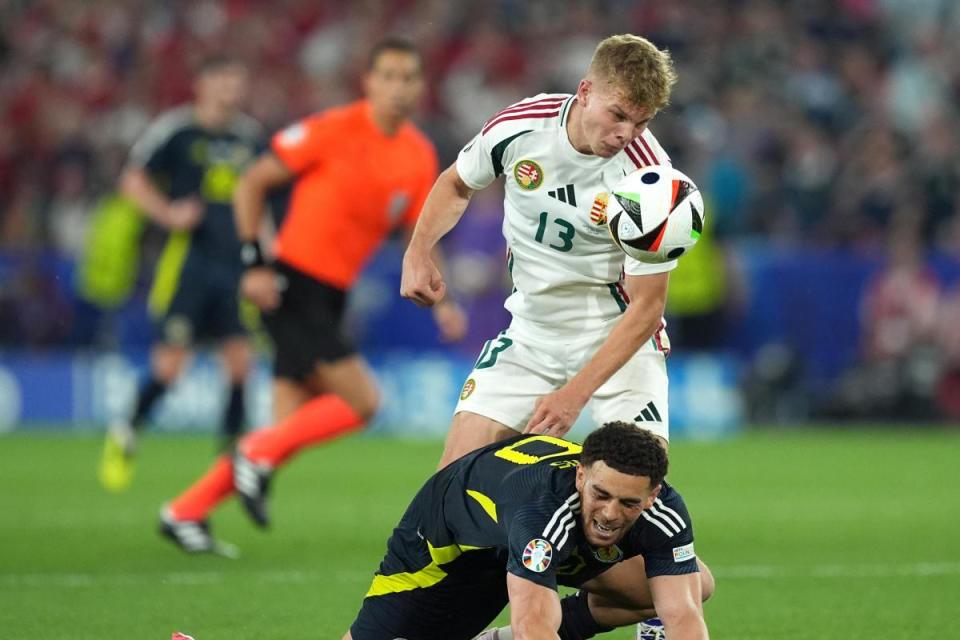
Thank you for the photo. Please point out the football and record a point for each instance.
(655, 214)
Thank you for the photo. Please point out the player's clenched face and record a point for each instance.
(607, 121)
(611, 502)
(394, 84)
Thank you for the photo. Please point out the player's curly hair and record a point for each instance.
(626, 448)
(634, 65)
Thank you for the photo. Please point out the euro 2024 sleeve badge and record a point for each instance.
(537, 555)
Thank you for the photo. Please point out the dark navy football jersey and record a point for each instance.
(185, 159)
(517, 501)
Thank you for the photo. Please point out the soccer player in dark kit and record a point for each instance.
(181, 174)
(511, 521)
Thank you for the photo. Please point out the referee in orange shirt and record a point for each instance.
(358, 172)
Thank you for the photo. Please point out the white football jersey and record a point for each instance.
(567, 273)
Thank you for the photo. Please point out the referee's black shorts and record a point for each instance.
(306, 327)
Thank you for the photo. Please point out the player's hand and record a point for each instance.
(259, 286)
(421, 281)
(184, 214)
(555, 413)
(451, 320)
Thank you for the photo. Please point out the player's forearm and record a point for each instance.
(442, 210)
(136, 185)
(535, 631)
(249, 201)
(530, 625)
(636, 326)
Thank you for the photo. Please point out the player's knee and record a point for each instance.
(237, 369)
(166, 363)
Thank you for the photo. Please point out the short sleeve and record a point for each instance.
(667, 539)
(539, 539)
(475, 163)
(302, 144)
(154, 150)
(633, 267)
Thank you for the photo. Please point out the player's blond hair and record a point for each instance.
(636, 67)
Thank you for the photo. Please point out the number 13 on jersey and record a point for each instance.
(564, 235)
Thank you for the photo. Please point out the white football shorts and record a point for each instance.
(514, 369)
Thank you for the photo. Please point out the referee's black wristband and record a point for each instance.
(251, 255)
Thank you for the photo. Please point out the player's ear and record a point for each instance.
(580, 477)
(653, 495)
(583, 90)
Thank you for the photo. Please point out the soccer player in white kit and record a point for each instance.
(587, 320)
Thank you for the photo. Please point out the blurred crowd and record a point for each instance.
(910, 353)
(815, 122)
(818, 121)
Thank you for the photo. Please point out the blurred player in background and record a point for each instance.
(587, 320)
(358, 172)
(512, 521)
(182, 174)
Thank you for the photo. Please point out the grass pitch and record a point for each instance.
(811, 534)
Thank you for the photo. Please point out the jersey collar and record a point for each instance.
(566, 147)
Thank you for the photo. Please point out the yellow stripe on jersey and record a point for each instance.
(488, 505)
(511, 453)
(426, 577)
(167, 277)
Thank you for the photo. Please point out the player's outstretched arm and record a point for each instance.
(678, 601)
(534, 610)
(555, 413)
(422, 281)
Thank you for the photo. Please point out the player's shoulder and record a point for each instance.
(163, 132)
(310, 127)
(416, 139)
(341, 117)
(667, 516)
(543, 111)
(245, 126)
(644, 151)
(172, 121)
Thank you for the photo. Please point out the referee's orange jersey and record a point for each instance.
(354, 185)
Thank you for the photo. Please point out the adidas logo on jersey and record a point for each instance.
(649, 414)
(564, 194)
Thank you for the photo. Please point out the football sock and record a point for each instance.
(206, 493)
(150, 392)
(233, 418)
(578, 622)
(318, 420)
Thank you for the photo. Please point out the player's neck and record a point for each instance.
(575, 132)
(211, 116)
(388, 125)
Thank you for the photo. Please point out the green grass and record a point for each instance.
(811, 534)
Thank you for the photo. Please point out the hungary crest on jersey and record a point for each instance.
(598, 212)
(528, 174)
